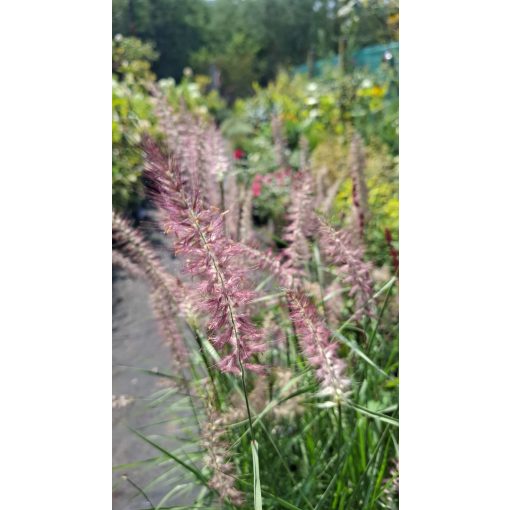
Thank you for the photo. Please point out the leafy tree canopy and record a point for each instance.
(238, 42)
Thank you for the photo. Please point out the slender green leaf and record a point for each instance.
(373, 414)
(192, 469)
(257, 496)
(357, 350)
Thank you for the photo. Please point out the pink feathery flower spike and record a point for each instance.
(340, 250)
(359, 187)
(271, 262)
(218, 460)
(232, 204)
(133, 253)
(200, 238)
(279, 140)
(301, 222)
(167, 119)
(321, 353)
(246, 232)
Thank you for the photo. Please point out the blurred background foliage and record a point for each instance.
(246, 41)
(238, 63)
(133, 112)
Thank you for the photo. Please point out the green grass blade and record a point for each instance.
(383, 308)
(373, 298)
(373, 414)
(328, 488)
(357, 350)
(186, 466)
(267, 494)
(257, 495)
(284, 464)
(139, 489)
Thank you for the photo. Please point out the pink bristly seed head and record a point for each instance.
(200, 238)
(321, 353)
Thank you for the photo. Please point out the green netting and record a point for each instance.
(369, 58)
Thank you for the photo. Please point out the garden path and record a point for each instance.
(136, 344)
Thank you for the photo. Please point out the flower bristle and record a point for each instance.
(199, 237)
(167, 295)
(300, 224)
(359, 187)
(270, 261)
(340, 250)
(217, 459)
(320, 352)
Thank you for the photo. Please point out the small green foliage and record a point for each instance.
(133, 113)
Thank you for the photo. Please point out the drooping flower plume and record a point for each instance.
(198, 147)
(333, 302)
(280, 141)
(340, 250)
(301, 222)
(246, 233)
(127, 264)
(359, 187)
(232, 204)
(199, 236)
(188, 153)
(393, 251)
(167, 295)
(304, 154)
(271, 262)
(216, 150)
(167, 119)
(217, 459)
(321, 353)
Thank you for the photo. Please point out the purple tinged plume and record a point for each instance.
(217, 459)
(339, 249)
(199, 147)
(246, 233)
(322, 354)
(301, 222)
(127, 264)
(132, 253)
(279, 140)
(200, 238)
(271, 262)
(167, 119)
(231, 192)
(359, 187)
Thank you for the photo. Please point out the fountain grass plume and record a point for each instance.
(340, 249)
(246, 233)
(167, 119)
(271, 262)
(217, 458)
(279, 141)
(359, 187)
(321, 353)
(301, 222)
(133, 269)
(199, 237)
(167, 296)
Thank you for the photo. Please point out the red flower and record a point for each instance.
(256, 186)
(239, 154)
(393, 251)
